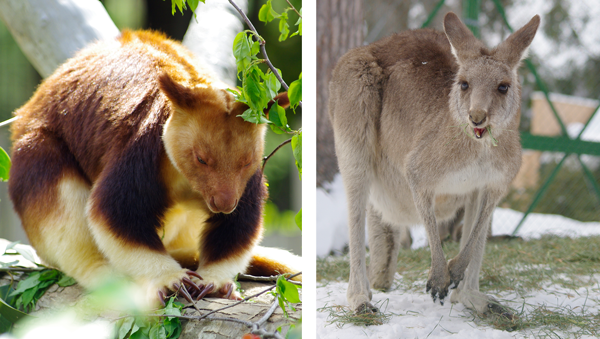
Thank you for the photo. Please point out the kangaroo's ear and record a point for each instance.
(463, 42)
(191, 98)
(515, 47)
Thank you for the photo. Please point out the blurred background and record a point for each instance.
(560, 126)
(18, 81)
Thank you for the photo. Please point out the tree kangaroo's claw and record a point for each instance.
(207, 289)
(191, 284)
(161, 298)
(226, 290)
(194, 274)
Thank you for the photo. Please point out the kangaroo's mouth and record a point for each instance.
(478, 132)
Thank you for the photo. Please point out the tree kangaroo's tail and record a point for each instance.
(268, 261)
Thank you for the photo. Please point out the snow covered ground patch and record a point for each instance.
(414, 315)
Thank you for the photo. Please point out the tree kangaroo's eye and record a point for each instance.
(503, 89)
(201, 161)
(464, 85)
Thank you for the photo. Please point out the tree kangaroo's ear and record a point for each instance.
(514, 48)
(281, 98)
(189, 98)
(464, 44)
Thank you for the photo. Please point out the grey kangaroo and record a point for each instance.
(426, 123)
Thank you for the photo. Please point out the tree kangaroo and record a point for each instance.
(425, 123)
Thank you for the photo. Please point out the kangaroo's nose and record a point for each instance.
(478, 118)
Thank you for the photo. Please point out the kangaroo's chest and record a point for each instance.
(474, 175)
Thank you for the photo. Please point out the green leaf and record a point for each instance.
(266, 13)
(125, 327)
(299, 24)
(284, 28)
(4, 165)
(66, 281)
(288, 290)
(298, 219)
(297, 150)
(295, 92)
(31, 281)
(241, 51)
(278, 118)
(295, 332)
(272, 85)
(10, 313)
(157, 332)
(194, 4)
(255, 91)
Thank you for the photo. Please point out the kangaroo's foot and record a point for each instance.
(482, 303)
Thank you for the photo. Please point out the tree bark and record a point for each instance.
(339, 28)
(74, 299)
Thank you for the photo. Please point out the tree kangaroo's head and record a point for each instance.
(486, 92)
(216, 151)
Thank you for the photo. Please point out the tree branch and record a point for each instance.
(265, 159)
(263, 50)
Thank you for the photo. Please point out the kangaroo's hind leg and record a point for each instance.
(50, 193)
(355, 111)
(384, 245)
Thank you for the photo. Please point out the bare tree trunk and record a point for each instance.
(339, 28)
(51, 31)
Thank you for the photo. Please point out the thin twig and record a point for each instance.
(265, 159)
(21, 269)
(294, 8)
(249, 277)
(249, 297)
(263, 50)
(7, 122)
(268, 314)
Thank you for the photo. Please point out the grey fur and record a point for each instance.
(396, 106)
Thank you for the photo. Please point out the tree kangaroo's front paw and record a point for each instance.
(179, 281)
(437, 285)
(457, 274)
(217, 287)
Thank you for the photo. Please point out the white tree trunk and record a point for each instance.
(213, 46)
(51, 31)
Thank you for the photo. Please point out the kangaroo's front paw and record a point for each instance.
(457, 273)
(438, 284)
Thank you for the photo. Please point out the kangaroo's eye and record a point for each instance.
(464, 85)
(201, 161)
(503, 89)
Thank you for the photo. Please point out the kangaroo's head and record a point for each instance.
(486, 92)
(215, 150)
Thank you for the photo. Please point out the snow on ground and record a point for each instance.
(416, 316)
